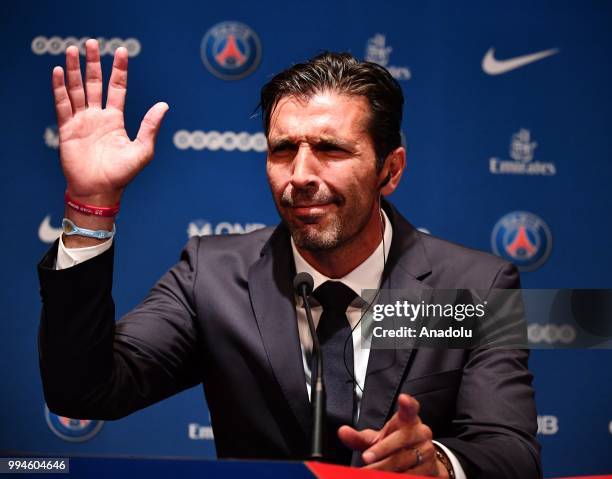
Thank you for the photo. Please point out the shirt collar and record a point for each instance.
(367, 275)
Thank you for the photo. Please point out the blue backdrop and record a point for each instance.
(503, 148)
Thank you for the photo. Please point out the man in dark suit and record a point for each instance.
(227, 316)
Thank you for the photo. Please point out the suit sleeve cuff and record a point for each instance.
(459, 472)
(68, 257)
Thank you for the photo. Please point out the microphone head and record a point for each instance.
(303, 280)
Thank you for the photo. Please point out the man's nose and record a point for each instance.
(305, 168)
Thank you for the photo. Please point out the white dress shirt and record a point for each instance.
(367, 275)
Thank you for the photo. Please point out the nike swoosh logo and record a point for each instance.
(46, 232)
(492, 66)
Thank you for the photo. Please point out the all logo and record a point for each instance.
(42, 45)
(216, 140)
(551, 333)
(522, 238)
(522, 150)
(377, 51)
(231, 50)
(73, 430)
(204, 228)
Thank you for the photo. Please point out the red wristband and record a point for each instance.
(106, 212)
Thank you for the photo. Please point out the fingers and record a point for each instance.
(393, 447)
(117, 86)
(63, 108)
(398, 440)
(406, 460)
(407, 408)
(150, 125)
(407, 414)
(75, 83)
(402, 430)
(93, 73)
(428, 465)
(357, 440)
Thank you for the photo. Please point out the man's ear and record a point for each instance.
(391, 173)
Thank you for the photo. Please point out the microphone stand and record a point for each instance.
(317, 393)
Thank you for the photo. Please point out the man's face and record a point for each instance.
(322, 168)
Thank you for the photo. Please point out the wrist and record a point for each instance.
(104, 200)
(445, 467)
(89, 222)
(442, 471)
(91, 209)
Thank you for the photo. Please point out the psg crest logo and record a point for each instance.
(522, 238)
(73, 430)
(231, 50)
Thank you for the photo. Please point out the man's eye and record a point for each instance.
(330, 148)
(283, 149)
(334, 151)
(283, 153)
(276, 151)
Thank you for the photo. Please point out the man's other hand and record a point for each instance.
(404, 444)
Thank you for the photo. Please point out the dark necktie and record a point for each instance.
(333, 331)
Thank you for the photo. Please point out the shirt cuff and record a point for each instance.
(459, 472)
(68, 257)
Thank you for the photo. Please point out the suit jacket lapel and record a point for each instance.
(270, 287)
(406, 265)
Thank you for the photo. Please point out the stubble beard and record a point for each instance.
(342, 228)
(313, 238)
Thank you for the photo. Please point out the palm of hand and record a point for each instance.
(112, 158)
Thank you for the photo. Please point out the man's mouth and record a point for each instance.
(310, 213)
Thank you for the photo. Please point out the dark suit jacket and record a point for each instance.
(225, 316)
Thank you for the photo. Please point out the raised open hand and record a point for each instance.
(97, 156)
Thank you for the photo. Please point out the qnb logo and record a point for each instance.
(215, 140)
(72, 430)
(522, 150)
(551, 333)
(548, 425)
(57, 45)
(51, 137)
(197, 432)
(378, 52)
(204, 228)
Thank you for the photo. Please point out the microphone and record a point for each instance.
(303, 285)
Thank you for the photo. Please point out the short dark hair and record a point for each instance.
(343, 73)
